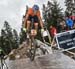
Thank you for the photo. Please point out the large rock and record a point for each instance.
(19, 53)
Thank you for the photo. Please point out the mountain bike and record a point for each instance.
(31, 41)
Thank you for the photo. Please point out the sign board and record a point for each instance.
(66, 40)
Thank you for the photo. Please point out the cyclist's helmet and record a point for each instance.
(35, 7)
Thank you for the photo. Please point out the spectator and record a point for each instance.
(74, 26)
(53, 31)
(73, 18)
(69, 23)
(63, 26)
(58, 25)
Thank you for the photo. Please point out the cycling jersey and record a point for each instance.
(31, 12)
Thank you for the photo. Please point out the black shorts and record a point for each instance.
(35, 19)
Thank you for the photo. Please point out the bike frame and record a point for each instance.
(32, 42)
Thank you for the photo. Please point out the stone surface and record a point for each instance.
(57, 60)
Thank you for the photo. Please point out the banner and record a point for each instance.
(66, 40)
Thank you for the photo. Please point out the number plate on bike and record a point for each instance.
(33, 32)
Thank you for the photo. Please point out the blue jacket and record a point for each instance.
(69, 22)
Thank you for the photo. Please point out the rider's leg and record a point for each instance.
(36, 26)
(28, 25)
(41, 23)
(29, 22)
(36, 21)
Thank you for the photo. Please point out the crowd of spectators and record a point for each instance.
(63, 25)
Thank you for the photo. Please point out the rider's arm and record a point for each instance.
(27, 15)
(25, 20)
(41, 22)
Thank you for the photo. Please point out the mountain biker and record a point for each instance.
(33, 13)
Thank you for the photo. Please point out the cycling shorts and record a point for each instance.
(35, 18)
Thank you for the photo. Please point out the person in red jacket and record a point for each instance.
(53, 31)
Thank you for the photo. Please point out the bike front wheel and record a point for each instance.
(32, 51)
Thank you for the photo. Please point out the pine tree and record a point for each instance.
(52, 13)
(47, 11)
(70, 7)
(56, 13)
(4, 42)
(8, 40)
(9, 36)
(22, 36)
(22, 33)
(15, 39)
